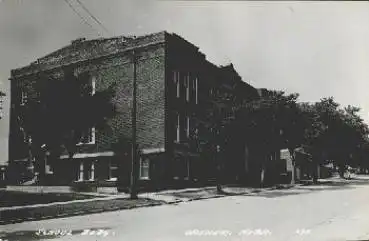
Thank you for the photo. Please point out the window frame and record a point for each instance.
(187, 126)
(91, 171)
(196, 90)
(93, 138)
(187, 84)
(48, 167)
(111, 168)
(24, 97)
(176, 80)
(142, 160)
(178, 128)
(80, 174)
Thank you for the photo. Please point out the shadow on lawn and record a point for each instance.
(44, 234)
(14, 198)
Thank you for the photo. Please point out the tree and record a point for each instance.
(215, 132)
(270, 123)
(2, 95)
(59, 113)
(312, 141)
(334, 133)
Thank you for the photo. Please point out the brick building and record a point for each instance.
(174, 84)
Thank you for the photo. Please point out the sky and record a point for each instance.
(318, 49)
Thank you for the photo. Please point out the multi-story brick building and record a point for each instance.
(174, 84)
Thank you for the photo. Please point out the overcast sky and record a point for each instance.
(317, 49)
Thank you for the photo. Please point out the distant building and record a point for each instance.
(175, 83)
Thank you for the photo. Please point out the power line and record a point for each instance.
(81, 17)
(92, 16)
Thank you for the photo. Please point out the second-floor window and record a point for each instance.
(177, 83)
(93, 85)
(88, 136)
(24, 97)
(187, 86)
(89, 83)
(195, 87)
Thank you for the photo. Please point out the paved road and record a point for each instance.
(309, 213)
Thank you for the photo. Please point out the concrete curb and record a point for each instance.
(54, 208)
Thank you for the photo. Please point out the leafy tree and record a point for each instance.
(60, 111)
(2, 95)
(215, 135)
(334, 133)
(270, 123)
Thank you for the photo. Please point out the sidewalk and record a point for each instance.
(115, 202)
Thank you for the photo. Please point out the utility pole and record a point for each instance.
(134, 167)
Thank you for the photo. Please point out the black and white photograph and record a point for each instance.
(181, 120)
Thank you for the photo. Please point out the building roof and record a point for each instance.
(82, 50)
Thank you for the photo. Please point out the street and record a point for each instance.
(321, 212)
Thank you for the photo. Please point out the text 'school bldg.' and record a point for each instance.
(174, 84)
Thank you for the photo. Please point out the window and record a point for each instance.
(187, 85)
(195, 86)
(89, 83)
(24, 97)
(188, 127)
(91, 171)
(144, 168)
(88, 136)
(93, 85)
(113, 171)
(1, 106)
(178, 131)
(177, 83)
(86, 171)
(187, 169)
(196, 131)
(80, 173)
(48, 167)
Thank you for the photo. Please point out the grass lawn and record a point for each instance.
(13, 198)
(72, 209)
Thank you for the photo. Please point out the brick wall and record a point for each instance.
(118, 69)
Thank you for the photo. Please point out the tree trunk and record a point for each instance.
(40, 165)
(219, 178)
(341, 168)
(262, 180)
(219, 170)
(293, 174)
(262, 176)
